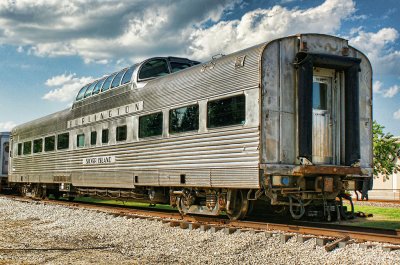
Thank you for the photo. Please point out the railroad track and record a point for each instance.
(327, 234)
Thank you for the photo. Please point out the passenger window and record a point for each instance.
(90, 89)
(117, 78)
(20, 149)
(104, 136)
(320, 96)
(63, 141)
(227, 111)
(175, 67)
(96, 89)
(93, 138)
(37, 146)
(49, 143)
(128, 75)
(150, 125)
(107, 83)
(27, 148)
(154, 68)
(184, 119)
(121, 133)
(80, 140)
(81, 93)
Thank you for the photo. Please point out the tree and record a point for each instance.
(385, 151)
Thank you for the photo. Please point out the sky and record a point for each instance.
(49, 48)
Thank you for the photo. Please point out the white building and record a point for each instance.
(387, 188)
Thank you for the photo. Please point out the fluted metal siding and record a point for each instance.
(223, 157)
(161, 161)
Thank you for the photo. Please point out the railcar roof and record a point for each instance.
(125, 75)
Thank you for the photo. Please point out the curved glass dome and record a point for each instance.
(109, 82)
(149, 69)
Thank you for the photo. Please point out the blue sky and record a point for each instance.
(50, 48)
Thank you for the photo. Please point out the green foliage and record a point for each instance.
(385, 148)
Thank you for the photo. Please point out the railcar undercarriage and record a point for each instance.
(311, 197)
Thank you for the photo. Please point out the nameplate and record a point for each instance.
(98, 160)
(107, 114)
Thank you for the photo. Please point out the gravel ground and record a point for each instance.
(66, 235)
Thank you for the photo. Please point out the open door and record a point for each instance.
(322, 120)
(328, 115)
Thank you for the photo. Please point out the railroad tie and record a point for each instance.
(334, 244)
(284, 238)
(390, 248)
(303, 238)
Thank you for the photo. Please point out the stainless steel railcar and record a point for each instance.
(4, 156)
(286, 123)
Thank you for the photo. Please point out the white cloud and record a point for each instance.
(266, 24)
(391, 92)
(377, 87)
(101, 30)
(378, 48)
(65, 87)
(396, 114)
(104, 30)
(7, 126)
(387, 93)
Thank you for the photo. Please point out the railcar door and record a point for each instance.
(323, 128)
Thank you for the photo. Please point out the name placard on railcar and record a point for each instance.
(98, 160)
(107, 114)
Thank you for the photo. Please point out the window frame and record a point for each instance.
(133, 67)
(91, 138)
(153, 77)
(41, 145)
(110, 77)
(30, 148)
(19, 149)
(90, 89)
(99, 84)
(78, 137)
(54, 143)
(117, 132)
(58, 141)
(83, 90)
(122, 73)
(154, 135)
(187, 106)
(221, 99)
(108, 136)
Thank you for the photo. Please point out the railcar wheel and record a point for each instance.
(38, 192)
(238, 206)
(183, 209)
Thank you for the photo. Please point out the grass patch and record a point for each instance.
(124, 203)
(383, 217)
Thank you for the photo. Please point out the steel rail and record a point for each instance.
(360, 234)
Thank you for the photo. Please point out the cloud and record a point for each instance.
(391, 92)
(101, 30)
(396, 114)
(266, 24)
(7, 126)
(65, 87)
(377, 87)
(379, 48)
(387, 93)
(104, 30)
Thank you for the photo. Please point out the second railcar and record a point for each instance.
(286, 123)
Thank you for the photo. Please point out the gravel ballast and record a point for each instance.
(34, 233)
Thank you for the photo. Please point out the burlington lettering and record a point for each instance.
(107, 114)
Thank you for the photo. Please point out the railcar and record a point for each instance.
(284, 125)
(4, 157)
